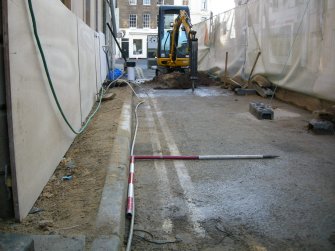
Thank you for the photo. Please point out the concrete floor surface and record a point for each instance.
(286, 203)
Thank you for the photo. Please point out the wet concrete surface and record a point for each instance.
(272, 204)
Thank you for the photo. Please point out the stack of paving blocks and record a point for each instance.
(261, 110)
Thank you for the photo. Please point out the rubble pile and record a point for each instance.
(324, 121)
(257, 84)
(179, 80)
(326, 114)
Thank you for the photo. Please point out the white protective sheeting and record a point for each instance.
(103, 59)
(87, 67)
(40, 135)
(296, 40)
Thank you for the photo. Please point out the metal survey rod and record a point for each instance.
(223, 157)
(202, 157)
(130, 199)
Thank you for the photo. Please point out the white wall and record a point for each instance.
(197, 14)
(214, 6)
(87, 67)
(77, 7)
(219, 6)
(41, 137)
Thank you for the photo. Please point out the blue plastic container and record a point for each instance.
(114, 75)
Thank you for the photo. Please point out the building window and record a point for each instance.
(160, 2)
(146, 2)
(132, 2)
(146, 20)
(203, 4)
(132, 21)
(185, 2)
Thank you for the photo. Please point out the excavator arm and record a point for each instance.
(183, 19)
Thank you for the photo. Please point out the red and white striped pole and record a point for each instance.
(203, 157)
(167, 157)
(130, 200)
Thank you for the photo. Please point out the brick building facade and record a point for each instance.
(138, 26)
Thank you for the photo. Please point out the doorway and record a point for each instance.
(138, 46)
(125, 47)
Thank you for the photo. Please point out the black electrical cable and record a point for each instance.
(117, 43)
(152, 240)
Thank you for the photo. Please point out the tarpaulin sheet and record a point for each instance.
(296, 40)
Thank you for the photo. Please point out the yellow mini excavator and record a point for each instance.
(177, 44)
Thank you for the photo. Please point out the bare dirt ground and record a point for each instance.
(69, 207)
(178, 80)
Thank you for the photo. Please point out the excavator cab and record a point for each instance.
(166, 19)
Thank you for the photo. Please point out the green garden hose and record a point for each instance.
(45, 65)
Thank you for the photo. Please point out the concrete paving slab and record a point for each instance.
(106, 244)
(57, 242)
(16, 242)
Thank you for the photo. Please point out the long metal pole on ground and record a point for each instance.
(202, 157)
